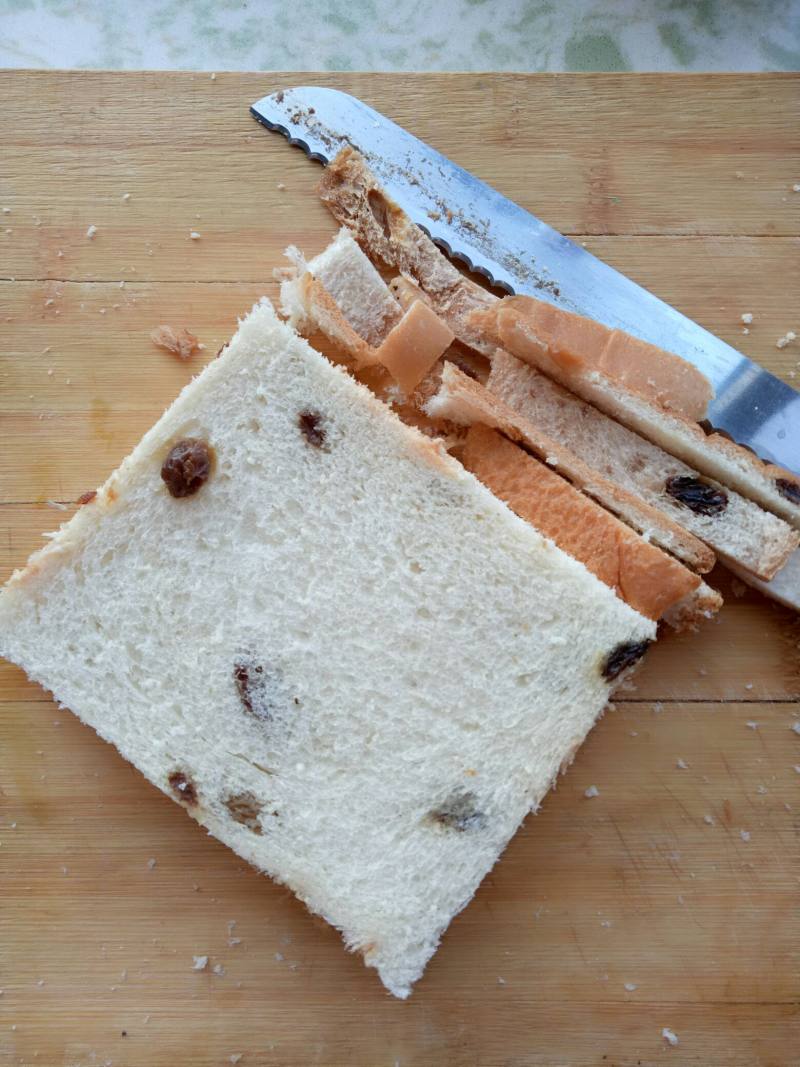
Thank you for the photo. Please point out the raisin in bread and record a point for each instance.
(317, 632)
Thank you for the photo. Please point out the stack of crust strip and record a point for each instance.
(563, 508)
(656, 408)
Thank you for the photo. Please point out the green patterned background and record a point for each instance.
(535, 35)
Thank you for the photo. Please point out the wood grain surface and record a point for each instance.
(671, 898)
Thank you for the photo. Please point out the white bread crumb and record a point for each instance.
(682, 765)
(796, 187)
(214, 78)
(194, 235)
(708, 820)
(745, 835)
(6, 210)
(749, 685)
(747, 318)
(281, 186)
(126, 196)
(592, 791)
(151, 863)
(669, 1036)
(745, 330)
(218, 969)
(762, 790)
(796, 727)
(787, 339)
(630, 986)
(91, 232)
(501, 981)
(236, 1057)
(199, 963)
(751, 724)
(796, 771)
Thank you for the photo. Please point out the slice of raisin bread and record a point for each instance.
(317, 632)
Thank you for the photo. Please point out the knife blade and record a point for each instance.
(519, 253)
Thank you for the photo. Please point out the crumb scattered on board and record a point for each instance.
(681, 764)
(90, 233)
(670, 1037)
(787, 339)
(592, 791)
(180, 342)
(199, 963)
(194, 235)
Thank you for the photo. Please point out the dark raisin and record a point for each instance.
(788, 489)
(245, 808)
(310, 423)
(187, 466)
(699, 497)
(260, 690)
(459, 812)
(622, 657)
(380, 211)
(183, 787)
(86, 498)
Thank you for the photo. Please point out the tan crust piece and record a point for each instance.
(414, 345)
(739, 530)
(771, 487)
(387, 235)
(641, 575)
(464, 401)
(702, 603)
(580, 345)
(323, 315)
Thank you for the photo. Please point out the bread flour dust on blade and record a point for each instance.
(516, 251)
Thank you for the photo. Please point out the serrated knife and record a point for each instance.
(517, 252)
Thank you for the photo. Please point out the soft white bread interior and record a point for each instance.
(735, 527)
(342, 654)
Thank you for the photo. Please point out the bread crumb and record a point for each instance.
(606, 923)
(658, 707)
(787, 339)
(151, 863)
(796, 187)
(6, 210)
(745, 330)
(670, 1037)
(501, 981)
(180, 342)
(762, 790)
(279, 957)
(708, 820)
(214, 78)
(281, 186)
(745, 835)
(194, 235)
(40, 982)
(55, 503)
(218, 969)
(234, 941)
(682, 765)
(91, 232)
(630, 986)
(796, 727)
(126, 196)
(747, 317)
(199, 963)
(796, 771)
(237, 1056)
(751, 724)
(749, 685)
(592, 791)
(49, 302)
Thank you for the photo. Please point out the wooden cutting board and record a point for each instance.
(669, 900)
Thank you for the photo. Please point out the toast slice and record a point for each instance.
(640, 574)
(339, 652)
(464, 401)
(735, 527)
